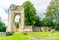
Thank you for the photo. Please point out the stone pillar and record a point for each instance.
(21, 25)
(9, 22)
(12, 23)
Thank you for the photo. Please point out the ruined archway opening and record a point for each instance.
(17, 22)
(12, 12)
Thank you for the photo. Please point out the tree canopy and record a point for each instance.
(53, 11)
(47, 22)
(30, 13)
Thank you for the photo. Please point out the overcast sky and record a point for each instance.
(40, 5)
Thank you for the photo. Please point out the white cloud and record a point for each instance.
(18, 2)
(3, 16)
(6, 3)
(40, 6)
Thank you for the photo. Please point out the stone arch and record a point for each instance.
(13, 11)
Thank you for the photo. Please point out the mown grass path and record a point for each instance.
(20, 36)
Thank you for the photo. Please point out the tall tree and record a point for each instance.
(53, 11)
(30, 13)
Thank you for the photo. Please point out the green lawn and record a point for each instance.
(20, 36)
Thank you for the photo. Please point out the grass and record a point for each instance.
(20, 36)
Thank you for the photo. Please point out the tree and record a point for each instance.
(53, 11)
(2, 27)
(46, 22)
(38, 22)
(30, 13)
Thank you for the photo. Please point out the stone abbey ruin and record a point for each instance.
(13, 12)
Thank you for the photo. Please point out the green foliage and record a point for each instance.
(38, 22)
(30, 13)
(57, 26)
(53, 11)
(2, 27)
(46, 22)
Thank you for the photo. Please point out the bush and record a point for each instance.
(2, 27)
(57, 27)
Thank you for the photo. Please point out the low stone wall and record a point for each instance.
(52, 30)
(2, 33)
(5, 33)
(38, 29)
(45, 29)
(28, 28)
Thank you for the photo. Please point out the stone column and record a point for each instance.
(10, 21)
(21, 25)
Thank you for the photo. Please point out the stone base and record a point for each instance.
(9, 33)
(2, 33)
(6, 33)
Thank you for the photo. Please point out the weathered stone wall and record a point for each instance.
(44, 29)
(38, 29)
(28, 28)
(2, 33)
